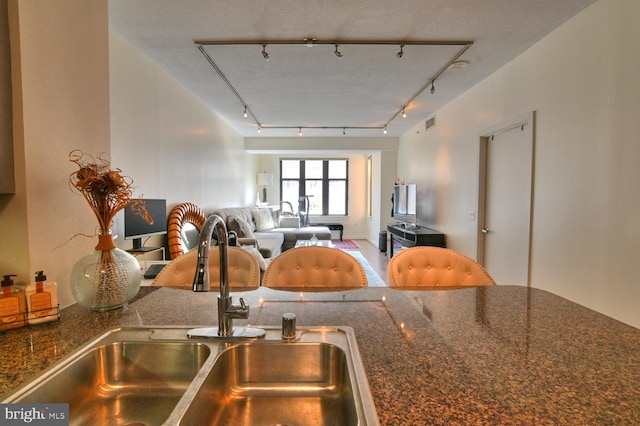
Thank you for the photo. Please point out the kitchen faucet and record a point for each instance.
(227, 311)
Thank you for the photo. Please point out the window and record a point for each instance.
(325, 182)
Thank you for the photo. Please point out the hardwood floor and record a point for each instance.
(375, 257)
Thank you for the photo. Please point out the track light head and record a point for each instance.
(259, 129)
(299, 131)
(244, 114)
(400, 53)
(384, 131)
(404, 113)
(433, 88)
(265, 55)
(337, 53)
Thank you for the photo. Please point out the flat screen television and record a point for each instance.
(405, 200)
(136, 228)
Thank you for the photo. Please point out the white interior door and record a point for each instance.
(506, 193)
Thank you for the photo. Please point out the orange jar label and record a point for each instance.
(9, 310)
(41, 304)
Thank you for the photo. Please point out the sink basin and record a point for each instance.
(159, 376)
(111, 384)
(276, 384)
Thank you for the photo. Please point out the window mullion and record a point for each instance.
(325, 187)
(303, 180)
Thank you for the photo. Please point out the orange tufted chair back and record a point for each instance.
(314, 268)
(179, 216)
(244, 271)
(428, 266)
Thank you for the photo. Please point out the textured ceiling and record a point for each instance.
(309, 86)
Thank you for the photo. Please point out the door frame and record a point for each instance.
(527, 119)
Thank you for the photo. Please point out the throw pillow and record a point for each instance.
(256, 253)
(263, 219)
(241, 227)
(233, 225)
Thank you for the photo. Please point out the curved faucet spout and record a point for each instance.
(227, 311)
(201, 279)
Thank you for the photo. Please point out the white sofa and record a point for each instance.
(270, 237)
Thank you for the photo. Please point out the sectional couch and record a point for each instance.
(268, 231)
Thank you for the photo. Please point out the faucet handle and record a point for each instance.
(237, 311)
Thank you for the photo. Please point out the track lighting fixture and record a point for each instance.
(311, 42)
(342, 128)
(338, 53)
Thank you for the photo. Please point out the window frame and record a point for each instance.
(325, 182)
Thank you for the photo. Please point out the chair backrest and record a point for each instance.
(179, 238)
(314, 268)
(288, 211)
(244, 271)
(428, 266)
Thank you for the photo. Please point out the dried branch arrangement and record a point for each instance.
(107, 192)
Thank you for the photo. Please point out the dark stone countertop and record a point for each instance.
(491, 355)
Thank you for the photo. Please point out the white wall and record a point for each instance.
(582, 81)
(385, 174)
(170, 143)
(309, 144)
(60, 103)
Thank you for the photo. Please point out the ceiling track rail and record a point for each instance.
(310, 42)
(224, 78)
(429, 82)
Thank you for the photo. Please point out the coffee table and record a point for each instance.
(307, 243)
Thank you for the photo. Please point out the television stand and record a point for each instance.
(414, 236)
(144, 249)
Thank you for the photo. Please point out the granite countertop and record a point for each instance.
(490, 355)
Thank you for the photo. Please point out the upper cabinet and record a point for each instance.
(7, 176)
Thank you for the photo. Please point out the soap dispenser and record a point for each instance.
(42, 300)
(13, 305)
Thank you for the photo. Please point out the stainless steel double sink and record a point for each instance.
(157, 375)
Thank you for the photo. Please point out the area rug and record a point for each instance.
(373, 278)
(345, 244)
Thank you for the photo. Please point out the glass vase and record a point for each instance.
(107, 278)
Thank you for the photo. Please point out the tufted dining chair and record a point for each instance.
(314, 268)
(427, 266)
(183, 229)
(244, 271)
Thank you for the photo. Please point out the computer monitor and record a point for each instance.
(136, 228)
